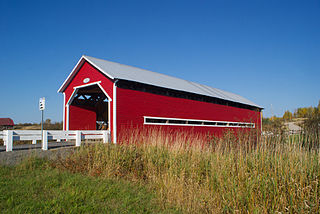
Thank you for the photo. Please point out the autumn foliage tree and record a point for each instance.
(305, 112)
(287, 116)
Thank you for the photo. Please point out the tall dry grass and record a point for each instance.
(211, 175)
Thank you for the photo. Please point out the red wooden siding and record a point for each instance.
(82, 118)
(133, 105)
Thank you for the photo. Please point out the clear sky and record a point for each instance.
(265, 50)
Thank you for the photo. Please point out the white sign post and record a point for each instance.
(42, 106)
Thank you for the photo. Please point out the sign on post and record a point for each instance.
(42, 103)
(42, 106)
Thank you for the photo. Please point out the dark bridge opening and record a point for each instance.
(89, 109)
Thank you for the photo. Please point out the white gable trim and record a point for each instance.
(86, 85)
(76, 69)
(62, 87)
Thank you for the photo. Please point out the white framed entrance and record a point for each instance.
(74, 96)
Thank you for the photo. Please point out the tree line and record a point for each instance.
(304, 112)
(47, 125)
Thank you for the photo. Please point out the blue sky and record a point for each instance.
(267, 51)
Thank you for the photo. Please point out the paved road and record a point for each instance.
(51, 145)
(21, 152)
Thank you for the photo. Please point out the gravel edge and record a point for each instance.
(16, 157)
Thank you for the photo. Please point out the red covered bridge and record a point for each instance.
(99, 94)
(6, 123)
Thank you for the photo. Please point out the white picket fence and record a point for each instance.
(9, 136)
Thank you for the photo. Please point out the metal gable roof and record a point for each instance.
(119, 71)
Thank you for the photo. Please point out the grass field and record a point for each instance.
(35, 187)
(152, 172)
(228, 175)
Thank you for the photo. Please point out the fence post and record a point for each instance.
(45, 140)
(8, 140)
(105, 136)
(34, 141)
(78, 138)
(4, 138)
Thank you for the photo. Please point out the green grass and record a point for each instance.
(35, 187)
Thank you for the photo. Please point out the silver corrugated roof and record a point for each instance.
(119, 71)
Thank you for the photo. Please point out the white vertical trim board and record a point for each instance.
(115, 112)
(64, 111)
(109, 116)
(68, 112)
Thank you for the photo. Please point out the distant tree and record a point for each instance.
(287, 116)
(301, 113)
(266, 121)
(305, 112)
(275, 119)
(311, 111)
(48, 121)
